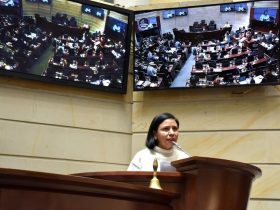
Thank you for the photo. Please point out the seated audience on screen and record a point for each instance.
(152, 69)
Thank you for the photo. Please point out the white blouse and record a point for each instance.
(143, 160)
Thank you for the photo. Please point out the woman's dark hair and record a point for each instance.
(150, 140)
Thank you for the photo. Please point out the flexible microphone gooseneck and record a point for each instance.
(179, 147)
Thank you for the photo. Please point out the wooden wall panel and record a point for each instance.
(69, 130)
(53, 165)
(44, 10)
(119, 16)
(58, 109)
(67, 7)
(236, 113)
(96, 24)
(29, 8)
(236, 124)
(244, 146)
(264, 205)
(267, 186)
(43, 127)
(48, 141)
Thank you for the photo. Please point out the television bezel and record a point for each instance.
(101, 18)
(182, 15)
(63, 82)
(232, 3)
(265, 8)
(19, 8)
(198, 4)
(246, 9)
(167, 18)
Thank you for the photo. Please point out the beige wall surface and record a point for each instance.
(51, 128)
(62, 129)
(239, 124)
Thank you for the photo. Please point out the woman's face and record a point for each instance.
(166, 133)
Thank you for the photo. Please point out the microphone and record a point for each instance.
(180, 148)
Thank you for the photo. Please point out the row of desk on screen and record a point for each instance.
(196, 37)
(235, 69)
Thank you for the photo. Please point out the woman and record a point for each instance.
(163, 131)
(265, 16)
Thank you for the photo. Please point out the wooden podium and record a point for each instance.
(200, 184)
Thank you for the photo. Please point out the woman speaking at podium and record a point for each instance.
(160, 144)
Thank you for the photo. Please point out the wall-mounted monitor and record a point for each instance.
(167, 14)
(40, 1)
(95, 11)
(227, 8)
(241, 7)
(181, 12)
(196, 51)
(147, 26)
(45, 1)
(10, 3)
(68, 47)
(266, 14)
(144, 23)
(10, 7)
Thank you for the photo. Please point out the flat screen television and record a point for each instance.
(95, 11)
(40, 1)
(181, 12)
(69, 47)
(227, 8)
(144, 23)
(10, 7)
(147, 26)
(167, 14)
(224, 51)
(265, 14)
(241, 7)
(45, 1)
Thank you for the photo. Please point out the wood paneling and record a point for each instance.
(53, 165)
(236, 123)
(267, 186)
(264, 205)
(58, 109)
(244, 146)
(47, 141)
(52, 128)
(232, 113)
(29, 8)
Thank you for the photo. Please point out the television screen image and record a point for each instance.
(116, 28)
(10, 7)
(227, 8)
(241, 7)
(32, 1)
(265, 14)
(68, 47)
(9, 3)
(203, 51)
(45, 1)
(181, 12)
(167, 14)
(40, 1)
(146, 23)
(95, 11)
